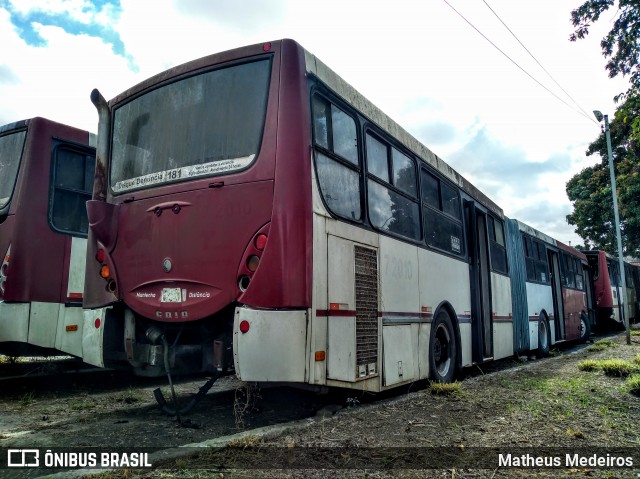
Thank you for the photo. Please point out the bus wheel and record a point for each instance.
(442, 349)
(543, 337)
(585, 328)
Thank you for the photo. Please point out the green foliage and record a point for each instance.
(590, 190)
(620, 46)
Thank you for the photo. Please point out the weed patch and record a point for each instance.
(602, 344)
(445, 389)
(589, 365)
(618, 368)
(632, 384)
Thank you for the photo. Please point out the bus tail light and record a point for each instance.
(104, 271)
(244, 326)
(4, 269)
(252, 263)
(252, 257)
(260, 242)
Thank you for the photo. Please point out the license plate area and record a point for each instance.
(171, 295)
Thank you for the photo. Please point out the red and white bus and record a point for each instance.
(46, 176)
(253, 211)
(607, 289)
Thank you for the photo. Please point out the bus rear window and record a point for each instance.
(10, 154)
(204, 125)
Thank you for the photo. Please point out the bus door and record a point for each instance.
(556, 288)
(480, 281)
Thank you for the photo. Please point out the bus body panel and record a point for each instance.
(14, 322)
(502, 316)
(539, 299)
(259, 354)
(198, 230)
(40, 309)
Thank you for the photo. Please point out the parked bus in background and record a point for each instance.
(46, 175)
(607, 289)
(635, 272)
(632, 298)
(252, 211)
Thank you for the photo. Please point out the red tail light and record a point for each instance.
(244, 326)
(261, 242)
(100, 255)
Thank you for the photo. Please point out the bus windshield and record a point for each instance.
(207, 124)
(10, 154)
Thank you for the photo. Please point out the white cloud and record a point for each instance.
(418, 61)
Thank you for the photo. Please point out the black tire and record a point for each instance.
(543, 337)
(585, 328)
(442, 349)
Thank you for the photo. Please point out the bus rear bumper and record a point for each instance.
(14, 322)
(273, 346)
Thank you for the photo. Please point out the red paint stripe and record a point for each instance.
(345, 313)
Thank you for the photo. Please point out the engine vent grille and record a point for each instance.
(366, 263)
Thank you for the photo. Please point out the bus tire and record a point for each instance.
(442, 349)
(543, 337)
(585, 328)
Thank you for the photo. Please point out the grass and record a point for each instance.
(602, 344)
(632, 384)
(589, 365)
(445, 389)
(130, 396)
(618, 368)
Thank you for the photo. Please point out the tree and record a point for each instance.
(590, 190)
(620, 46)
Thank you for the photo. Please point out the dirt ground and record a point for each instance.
(517, 407)
(511, 405)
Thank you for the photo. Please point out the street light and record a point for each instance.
(623, 287)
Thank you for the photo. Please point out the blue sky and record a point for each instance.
(417, 60)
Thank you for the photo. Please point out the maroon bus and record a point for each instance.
(607, 289)
(46, 175)
(252, 211)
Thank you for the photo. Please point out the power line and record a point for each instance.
(536, 60)
(516, 63)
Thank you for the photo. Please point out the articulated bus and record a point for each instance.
(555, 289)
(607, 289)
(46, 177)
(252, 211)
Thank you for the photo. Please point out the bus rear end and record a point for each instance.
(46, 175)
(200, 213)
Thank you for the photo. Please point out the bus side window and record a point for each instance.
(498, 252)
(392, 191)
(336, 158)
(441, 215)
(72, 183)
